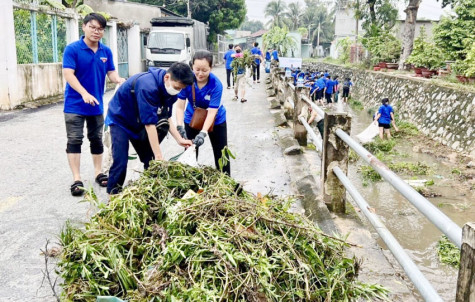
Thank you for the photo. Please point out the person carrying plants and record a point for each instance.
(384, 117)
(205, 93)
(140, 113)
(240, 77)
(86, 63)
(256, 66)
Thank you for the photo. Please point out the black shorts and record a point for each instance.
(385, 126)
(346, 91)
(328, 97)
(319, 94)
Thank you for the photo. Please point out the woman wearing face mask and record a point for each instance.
(205, 93)
(138, 113)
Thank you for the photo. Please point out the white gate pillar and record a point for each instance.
(8, 61)
(134, 49)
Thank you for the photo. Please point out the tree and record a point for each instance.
(377, 15)
(409, 30)
(275, 9)
(318, 14)
(279, 39)
(293, 15)
(251, 25)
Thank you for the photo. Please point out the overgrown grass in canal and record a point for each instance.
(448, 253)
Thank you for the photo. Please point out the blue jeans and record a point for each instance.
(120, 157)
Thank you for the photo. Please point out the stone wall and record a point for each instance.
(445, 114)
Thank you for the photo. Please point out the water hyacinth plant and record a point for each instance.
(189, 234)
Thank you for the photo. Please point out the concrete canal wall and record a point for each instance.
(445, 114)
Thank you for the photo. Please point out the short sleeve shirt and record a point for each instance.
(90, 69)
(210, 96)
(256, 51)
(385, 111)
(151, 101)
(228, 58)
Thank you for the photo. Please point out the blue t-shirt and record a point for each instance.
(385, 111)
(132, 114)
(330, 85)
(321, 83)
(90, 69)
(256, 51)
(228, 58)
(275, 55)
(207, 97)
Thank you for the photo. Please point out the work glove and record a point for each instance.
(199, 139)
(182, 131)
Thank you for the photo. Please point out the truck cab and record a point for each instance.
(172, 39)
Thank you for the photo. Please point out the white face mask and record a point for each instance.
(171, 90)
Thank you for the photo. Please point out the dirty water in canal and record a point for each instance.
(452, 192)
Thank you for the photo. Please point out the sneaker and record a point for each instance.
(258, 81)
(235, 98)
(229, 87)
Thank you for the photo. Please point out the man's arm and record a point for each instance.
(113, 75)
(76, 85)
(153, 139)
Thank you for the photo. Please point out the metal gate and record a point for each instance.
(123, 54)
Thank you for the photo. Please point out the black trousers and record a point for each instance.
(219, 140)
(256, 72)
(229, 73)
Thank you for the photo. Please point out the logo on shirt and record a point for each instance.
(207, 97)
(103, 59)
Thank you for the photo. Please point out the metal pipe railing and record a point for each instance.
(314, 106)
(439, 219)
(318, 142)
(412, 271)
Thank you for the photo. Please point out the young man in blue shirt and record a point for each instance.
(229, 60)
(85, 65)
(275, 58)
(256, 67)
(135, 112)
(329, 89)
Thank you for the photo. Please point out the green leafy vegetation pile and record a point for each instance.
(448, 252)
(189, 234)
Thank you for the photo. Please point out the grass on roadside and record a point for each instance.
(448, 253)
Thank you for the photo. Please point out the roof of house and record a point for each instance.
(258, 33)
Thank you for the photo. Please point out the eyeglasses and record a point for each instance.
(98, 29)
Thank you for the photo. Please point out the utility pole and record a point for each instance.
(188, 8)
(318, 39)
(356, 31)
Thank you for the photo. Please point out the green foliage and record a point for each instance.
(184, 234)
(383, 46)
(380, 145)
(425, 54)
(344, 46)
(355, 104)
(278, 38)
(242, 63)
(276, 11)
(448, 252)
(406, 129)
(369, 174)
(417, 168)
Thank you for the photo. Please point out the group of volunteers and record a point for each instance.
(140, 110)
(238, 80)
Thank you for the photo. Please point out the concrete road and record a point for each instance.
(35, 177)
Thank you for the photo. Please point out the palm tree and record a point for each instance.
(293, 14)
(275, 9)
(318, 15)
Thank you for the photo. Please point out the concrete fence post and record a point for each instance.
(335, 153)
(466, 278)
(300, 133)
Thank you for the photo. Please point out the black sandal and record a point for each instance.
(243, 100)
(102, 179)
(77, 188)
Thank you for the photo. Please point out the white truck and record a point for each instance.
(174, 39)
